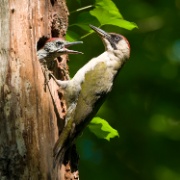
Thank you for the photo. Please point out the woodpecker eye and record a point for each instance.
(116, 39)
(58, 43)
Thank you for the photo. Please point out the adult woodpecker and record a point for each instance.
(87, 90)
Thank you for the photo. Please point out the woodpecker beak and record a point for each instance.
(68, 44)
(100, 32)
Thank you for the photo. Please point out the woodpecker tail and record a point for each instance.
(60, 149)
(58, 156)
(65, 138)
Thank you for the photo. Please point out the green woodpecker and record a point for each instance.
(87, 90)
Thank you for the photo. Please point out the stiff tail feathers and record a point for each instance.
(58, 154)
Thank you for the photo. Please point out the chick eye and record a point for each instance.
(58, 43)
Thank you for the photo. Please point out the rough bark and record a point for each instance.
(28, 119)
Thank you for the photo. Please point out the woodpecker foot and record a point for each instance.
(61, 84)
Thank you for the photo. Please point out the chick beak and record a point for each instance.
(100, 32)
(68, 44)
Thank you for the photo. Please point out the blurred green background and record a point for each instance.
(144, 103)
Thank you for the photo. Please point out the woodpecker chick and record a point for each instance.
(86, 91)
(55, 47)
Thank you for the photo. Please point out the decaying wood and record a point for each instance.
(29, 121)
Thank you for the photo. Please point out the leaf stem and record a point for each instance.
(81, 9)
(84, 36)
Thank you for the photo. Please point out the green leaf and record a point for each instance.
(105, 18)
(72, 36)
(123, 24)
(102, 129)
(106, 12)
(83, 21)
(108, 6)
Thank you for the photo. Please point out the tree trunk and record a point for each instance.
(28, 118)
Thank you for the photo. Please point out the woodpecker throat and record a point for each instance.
(87, 90)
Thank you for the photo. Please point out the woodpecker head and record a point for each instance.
(113, 42)
(58, 45)
(55, 47)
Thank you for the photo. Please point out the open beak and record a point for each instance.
(68, 44)
(100, 32)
